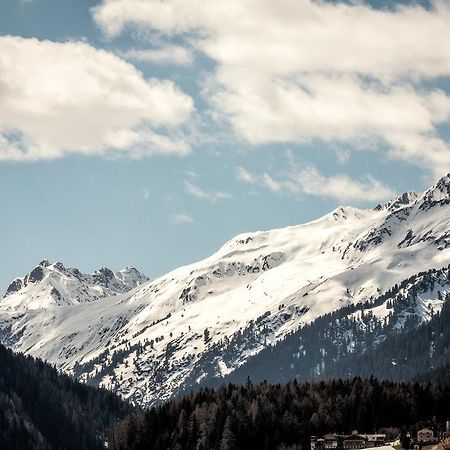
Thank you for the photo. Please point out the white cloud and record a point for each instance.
(341, 187)
(62, 98)
(211, 196)
(171, 54)
(244, 175)
(181, 218)
(298, 182)
(190, 173)
(338, 109)
(303, 70)
(271, 183)
(298, 35)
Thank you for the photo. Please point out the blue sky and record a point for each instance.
(135, 135)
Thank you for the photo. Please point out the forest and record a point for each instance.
(43, 409)
(280, 416)
(402, 356)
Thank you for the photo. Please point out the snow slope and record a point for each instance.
(147, 342)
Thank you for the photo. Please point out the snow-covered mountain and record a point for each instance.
(148, 342)
(405, 330)
(49, 285)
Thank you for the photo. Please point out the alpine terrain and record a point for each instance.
(380, 270)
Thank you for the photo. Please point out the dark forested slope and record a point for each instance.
(402, 356)
(267, 416)
(42, 409)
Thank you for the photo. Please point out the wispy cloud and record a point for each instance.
(181, 218)
(170, 54)
(198, 192)
(309, 181)
(245, 176)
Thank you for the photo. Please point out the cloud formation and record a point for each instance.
(170, 54)
(298, 35)
(298, 182)
(300, 70)
(63, 98)
(211, 196)
(181, 218)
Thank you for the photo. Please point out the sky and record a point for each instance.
(147, 133)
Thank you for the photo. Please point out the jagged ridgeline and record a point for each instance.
(399, 335)
(280, 416)
(42, 409)
(349, 281)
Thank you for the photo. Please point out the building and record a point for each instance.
(425, 435)
(330, 441)
(317, 443)
(354, 441)
(375, 440)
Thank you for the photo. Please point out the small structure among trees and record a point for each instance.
(347, 441)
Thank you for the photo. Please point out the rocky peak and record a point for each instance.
(15, 286)
(36, 275)
(438, 192)
(444, 184)
(407, 198)
(49, 284)
(59, 266)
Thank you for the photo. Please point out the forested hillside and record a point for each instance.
(267, 416)
(42, 409)
(398, 335)
(402, 356)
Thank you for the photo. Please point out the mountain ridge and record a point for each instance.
(148, 342)
(55, 285)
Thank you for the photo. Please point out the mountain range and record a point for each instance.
(355, 277)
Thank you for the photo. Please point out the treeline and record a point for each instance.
(42, 409)
(276, 416)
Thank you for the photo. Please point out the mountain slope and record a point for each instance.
(41, 409)
(399, 335)
(208, 318)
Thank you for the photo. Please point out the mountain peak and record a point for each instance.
(343, 212)
(55, 285)
(444, 182)
(442, 185)
(407, 198)
(438, 194)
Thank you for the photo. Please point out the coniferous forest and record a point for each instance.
(272, 416)
(42, 409)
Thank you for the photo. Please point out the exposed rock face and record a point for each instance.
(36, 275)
(15, 286)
